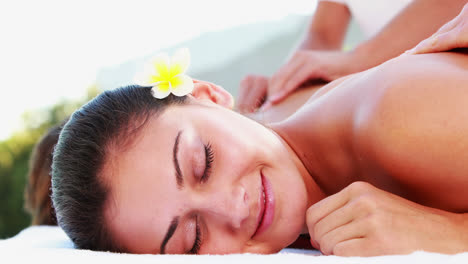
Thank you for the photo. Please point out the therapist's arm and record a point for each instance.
(327, 27)
(419, 20)
(326, 31)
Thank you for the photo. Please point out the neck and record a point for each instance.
(314, 192)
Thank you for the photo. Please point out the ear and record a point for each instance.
(208, 91)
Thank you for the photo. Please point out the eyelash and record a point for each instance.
(197, 243)
(209, 158)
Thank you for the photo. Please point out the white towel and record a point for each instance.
(47, 244)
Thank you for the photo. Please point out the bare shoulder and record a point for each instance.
(415, 126)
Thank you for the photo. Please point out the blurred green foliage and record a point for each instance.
(14, 159)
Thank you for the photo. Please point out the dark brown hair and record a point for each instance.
(37, 191)
(79, 192)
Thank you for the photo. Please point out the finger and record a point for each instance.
(425, 45)
(257, 91)
(284, 74)
(335, 219)
(351, 247)
(350, 231)
(244, 90)
(265, 106)
(245, 94)
(261, 89)
(438, 43)
(294, 81)
(323, 208)
(448, 26)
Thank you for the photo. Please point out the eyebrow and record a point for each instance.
(180, 184)
(170, 231)
(179, 176)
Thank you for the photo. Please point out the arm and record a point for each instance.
(326, 31)
(362, 220)
(417, 21)
(327, 27)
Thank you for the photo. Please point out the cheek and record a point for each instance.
(236, 154)
(222, 243)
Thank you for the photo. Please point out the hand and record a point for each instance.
(362, 220)
(252, 93)
(452, 35)
(307, 65)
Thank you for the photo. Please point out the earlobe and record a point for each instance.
(208, 91)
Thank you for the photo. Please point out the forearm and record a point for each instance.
(318, 41)
(416, 22)
(450, 233)
(327, 28)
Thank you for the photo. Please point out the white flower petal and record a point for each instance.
(181, 85)
(161, 90)
(180, 62)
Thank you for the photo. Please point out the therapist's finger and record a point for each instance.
(451, 35)
(444, 42)
(254, 92)
(244, 89)
(280, 78)
(299, 77)
(448, 26)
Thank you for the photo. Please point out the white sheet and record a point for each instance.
(45, 244)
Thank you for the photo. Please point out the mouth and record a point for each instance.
(266, 205)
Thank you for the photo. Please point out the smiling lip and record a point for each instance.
(267, 207)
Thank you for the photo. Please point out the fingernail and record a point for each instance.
(265, 106)
(275, 97)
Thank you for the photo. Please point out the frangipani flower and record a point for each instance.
(167, 75)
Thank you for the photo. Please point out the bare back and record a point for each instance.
(402, 126)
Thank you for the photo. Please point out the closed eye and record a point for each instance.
(209, 158)
(198, 241)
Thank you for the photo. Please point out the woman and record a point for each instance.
(366, 166)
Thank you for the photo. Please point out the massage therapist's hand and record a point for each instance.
(452, 35)
(362, 220)
(252, 93)
(307, 65)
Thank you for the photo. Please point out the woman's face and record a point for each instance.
(200, 178)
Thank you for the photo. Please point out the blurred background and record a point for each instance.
(57, 55)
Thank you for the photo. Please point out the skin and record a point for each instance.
(320, 56)
(227, 204)
(452, 35)
(366, 166)
(357, 141)
(395, 129)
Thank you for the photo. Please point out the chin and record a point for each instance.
(285, 242)
(289, 234)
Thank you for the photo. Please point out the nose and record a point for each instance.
(229, 206)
